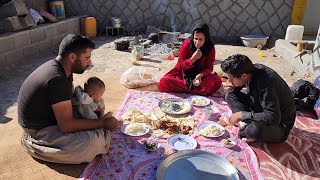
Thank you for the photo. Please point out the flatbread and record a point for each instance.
(134, 115)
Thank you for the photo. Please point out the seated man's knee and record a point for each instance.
(253, 130)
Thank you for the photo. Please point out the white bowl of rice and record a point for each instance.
(135, 129)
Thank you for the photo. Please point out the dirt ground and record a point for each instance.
(109, 64)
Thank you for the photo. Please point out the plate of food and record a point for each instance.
(173, 124)
(211, 129)
(174, 106)
(199, 100)
(135, 129)
(182, 142)
(151, 145)
(228, 143)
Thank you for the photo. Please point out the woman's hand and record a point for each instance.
(197, 81)
(228, 86)
(196, 55)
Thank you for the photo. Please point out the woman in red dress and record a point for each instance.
(193, 71)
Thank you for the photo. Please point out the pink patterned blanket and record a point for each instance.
(128, 159)
(296, 158)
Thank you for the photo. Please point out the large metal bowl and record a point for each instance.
(254, 40)
(196, 165)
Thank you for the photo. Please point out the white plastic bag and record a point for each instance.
(138, 77)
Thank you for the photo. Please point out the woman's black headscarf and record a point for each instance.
(190, 74)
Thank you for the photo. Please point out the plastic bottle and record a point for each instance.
(134, 54)
(207, 113)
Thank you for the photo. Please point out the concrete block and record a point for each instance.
(27, 21)
(73, 23)
(31, 50)
(45, 45)
(6, 44)
(38, 34)
(76, 31)
(10, 24)
(63, 27)
(57, 40)
(13, 8)
(51, 30)
(21, 39)
(2, 60)
(14, 56)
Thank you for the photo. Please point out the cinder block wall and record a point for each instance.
(226, 18)
(22, 46)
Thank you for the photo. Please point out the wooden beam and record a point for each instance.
(297, 14)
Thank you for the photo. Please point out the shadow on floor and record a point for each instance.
(72, 170)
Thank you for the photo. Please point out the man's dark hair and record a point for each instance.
(237, 65)
(74, 44)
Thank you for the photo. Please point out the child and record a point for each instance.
(87, 103)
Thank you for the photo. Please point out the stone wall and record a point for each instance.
(23, 45)
(227, 18)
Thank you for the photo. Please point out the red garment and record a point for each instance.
(173, 81)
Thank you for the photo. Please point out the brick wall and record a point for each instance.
(21, 46)
(226, 18)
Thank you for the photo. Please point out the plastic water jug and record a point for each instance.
(88, 27)
(294, 33)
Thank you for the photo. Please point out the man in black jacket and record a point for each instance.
(260, 100)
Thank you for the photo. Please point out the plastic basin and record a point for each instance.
(254, 40)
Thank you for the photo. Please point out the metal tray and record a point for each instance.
(170, 110)
(195, 165)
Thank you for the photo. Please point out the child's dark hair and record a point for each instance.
(93, 84)
(237, 65)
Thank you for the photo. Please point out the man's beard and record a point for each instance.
(77, 68)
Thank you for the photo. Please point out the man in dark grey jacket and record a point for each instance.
(260, 100)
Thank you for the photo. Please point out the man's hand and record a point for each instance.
(235, 118)
(197, 81)
(111, 123)
(196, 55)
(228, 86)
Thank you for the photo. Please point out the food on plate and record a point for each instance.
(134, 115)
(175, 107)
(211, 130)
(136, 129)
(226, 141)
(223, 121)
(199, 101)
(172, 127)
(151, 145)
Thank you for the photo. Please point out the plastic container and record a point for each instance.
(88, 27)
(57, 9)
(294, 33)
(254, 40)
(139, 51)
